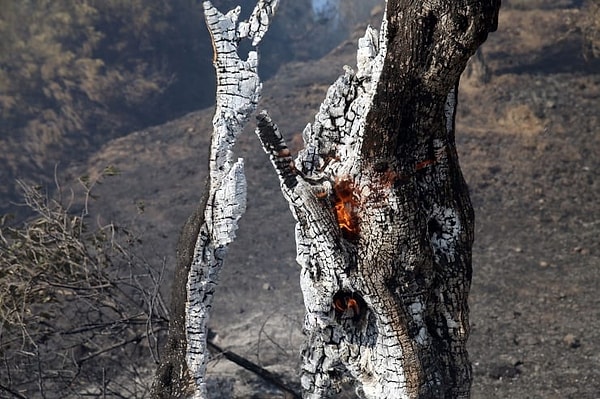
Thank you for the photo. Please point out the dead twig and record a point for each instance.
(12, 392)
(263, 373)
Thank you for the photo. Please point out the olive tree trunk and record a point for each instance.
(384, 221)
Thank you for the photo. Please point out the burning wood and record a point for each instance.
(346, 205)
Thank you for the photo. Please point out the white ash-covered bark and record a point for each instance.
(384, 221)
(238, 90)
(208, 233)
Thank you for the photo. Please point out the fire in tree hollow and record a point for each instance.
(345, 208)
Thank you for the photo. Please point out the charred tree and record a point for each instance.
(211, 228)
(384, 221)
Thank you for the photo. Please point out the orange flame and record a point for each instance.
(344, 216)
(345, 204)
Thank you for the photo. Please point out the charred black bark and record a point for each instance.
(172, 379)
(409, 132)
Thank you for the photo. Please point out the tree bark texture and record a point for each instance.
(384, 221)
(208, 232)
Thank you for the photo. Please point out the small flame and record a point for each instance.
(345, 204)
(344, 216)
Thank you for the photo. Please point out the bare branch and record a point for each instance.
(56, 271)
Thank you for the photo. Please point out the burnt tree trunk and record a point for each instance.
(384, 221)
(211, 228)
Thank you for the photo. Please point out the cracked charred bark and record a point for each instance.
(384, 221)
(211, 228)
